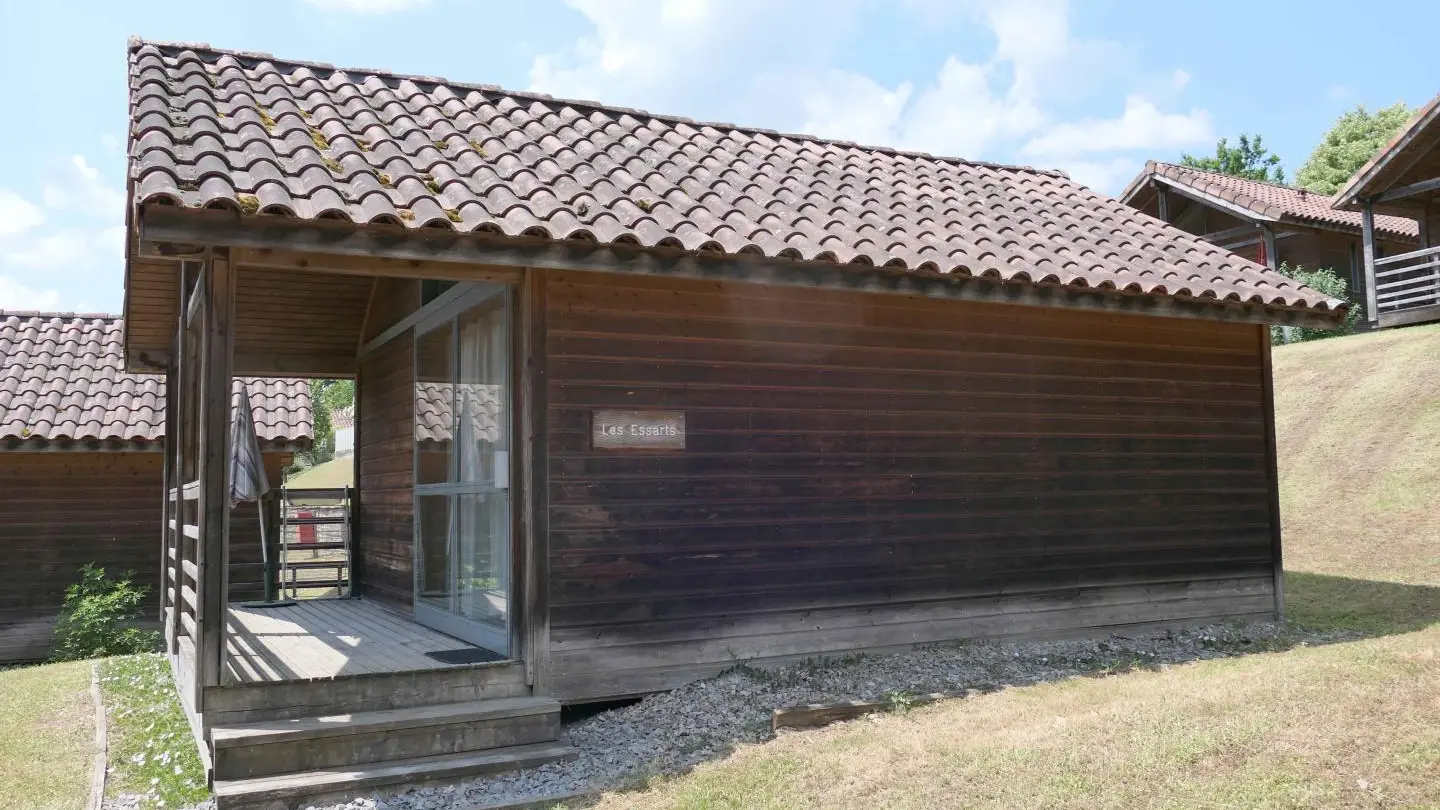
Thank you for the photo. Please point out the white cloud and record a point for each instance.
(1179, 80)
(14, 295)
(79, 188)
(1142, 126)
(369, 6)
(1102, 175)
(18, 214)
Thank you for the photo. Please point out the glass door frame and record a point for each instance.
(448, 310)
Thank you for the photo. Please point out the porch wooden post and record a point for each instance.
(216, 354)
(175, 427)
(534, 483)
(1367, 221)
(169, 554)
(1272, 470)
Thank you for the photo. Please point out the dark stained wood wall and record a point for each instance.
(872, 471)
(60, 510)
(385, 447)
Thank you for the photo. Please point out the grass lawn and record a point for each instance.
(1353, 725)
(47, 737)
(152, 752)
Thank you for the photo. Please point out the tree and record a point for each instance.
(1354, 139)
(1328, 283)
(326, 397)
(1250, 160)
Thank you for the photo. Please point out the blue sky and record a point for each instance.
(1094, 88)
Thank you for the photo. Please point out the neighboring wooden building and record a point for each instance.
(81, 463)
(1266, 222)
(1403, 179)
(641, 397)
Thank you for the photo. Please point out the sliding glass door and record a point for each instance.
(462, 467)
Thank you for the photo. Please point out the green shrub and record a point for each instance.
(1326, 282)
(97, 618)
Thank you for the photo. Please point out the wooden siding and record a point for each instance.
(385, 445)
(866, 471)
(305, 323)
(61, 510)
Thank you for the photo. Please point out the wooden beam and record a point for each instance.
(1272, 469)
(1215, 202)
(1367, 245)
(163, 225)
(371, 266)
(169, 555)
(1406, 317)
(214, 518)
(1229, 233)
(1401, 192)
(195, 302)
(1162, 201)
(534, 480)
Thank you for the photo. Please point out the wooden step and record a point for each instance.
(340, 784)
(270, 748)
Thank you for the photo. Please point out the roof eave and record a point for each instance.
(1350, 194)
(164, 225)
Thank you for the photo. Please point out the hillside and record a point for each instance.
(1358, 432)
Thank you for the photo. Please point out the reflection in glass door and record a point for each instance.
(462, 469)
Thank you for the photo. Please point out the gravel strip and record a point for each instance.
(672, 732)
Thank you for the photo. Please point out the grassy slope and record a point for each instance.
(47, 736)
(1348, 725)
(1358, 431)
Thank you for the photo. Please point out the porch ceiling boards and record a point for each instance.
(327, 638)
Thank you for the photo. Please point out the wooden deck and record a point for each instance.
(326, 638)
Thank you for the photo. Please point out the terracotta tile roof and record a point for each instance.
(62, 377)
(259, 135)
(1272, 201)
(434, 410)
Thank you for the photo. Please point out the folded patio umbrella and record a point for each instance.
(248, 481)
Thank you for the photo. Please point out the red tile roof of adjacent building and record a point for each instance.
(260, 135)
(62, 378)
(1271, 200)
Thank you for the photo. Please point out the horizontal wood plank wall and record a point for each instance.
(866, 471)
(297, 323)
(385, 387)
(61, 510)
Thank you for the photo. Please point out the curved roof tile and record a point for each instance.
(62, 377)
(475, 158)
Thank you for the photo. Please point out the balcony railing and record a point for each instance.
(1407, 281)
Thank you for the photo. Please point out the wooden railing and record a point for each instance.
(1407, 281)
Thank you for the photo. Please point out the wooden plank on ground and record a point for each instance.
(814, 715)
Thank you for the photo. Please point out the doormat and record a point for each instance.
(465, 655)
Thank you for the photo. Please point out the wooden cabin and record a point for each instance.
(640, 398)
(1267, 223)
(1403, 180)
(81, 460)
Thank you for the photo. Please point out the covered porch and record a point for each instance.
(319, 639)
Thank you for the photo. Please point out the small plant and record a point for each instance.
(266, 121)
(407, 215)
(440, 144)
(478, 148)
(901, 701)
(332, 164)
(385, 180)
(1328, 283)
(453, 214)
(249, 203)
(318, 138)
(363, 144)
(433, 186)
(93, 622)
(644, 205)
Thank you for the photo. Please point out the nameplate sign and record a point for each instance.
(639, 430)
